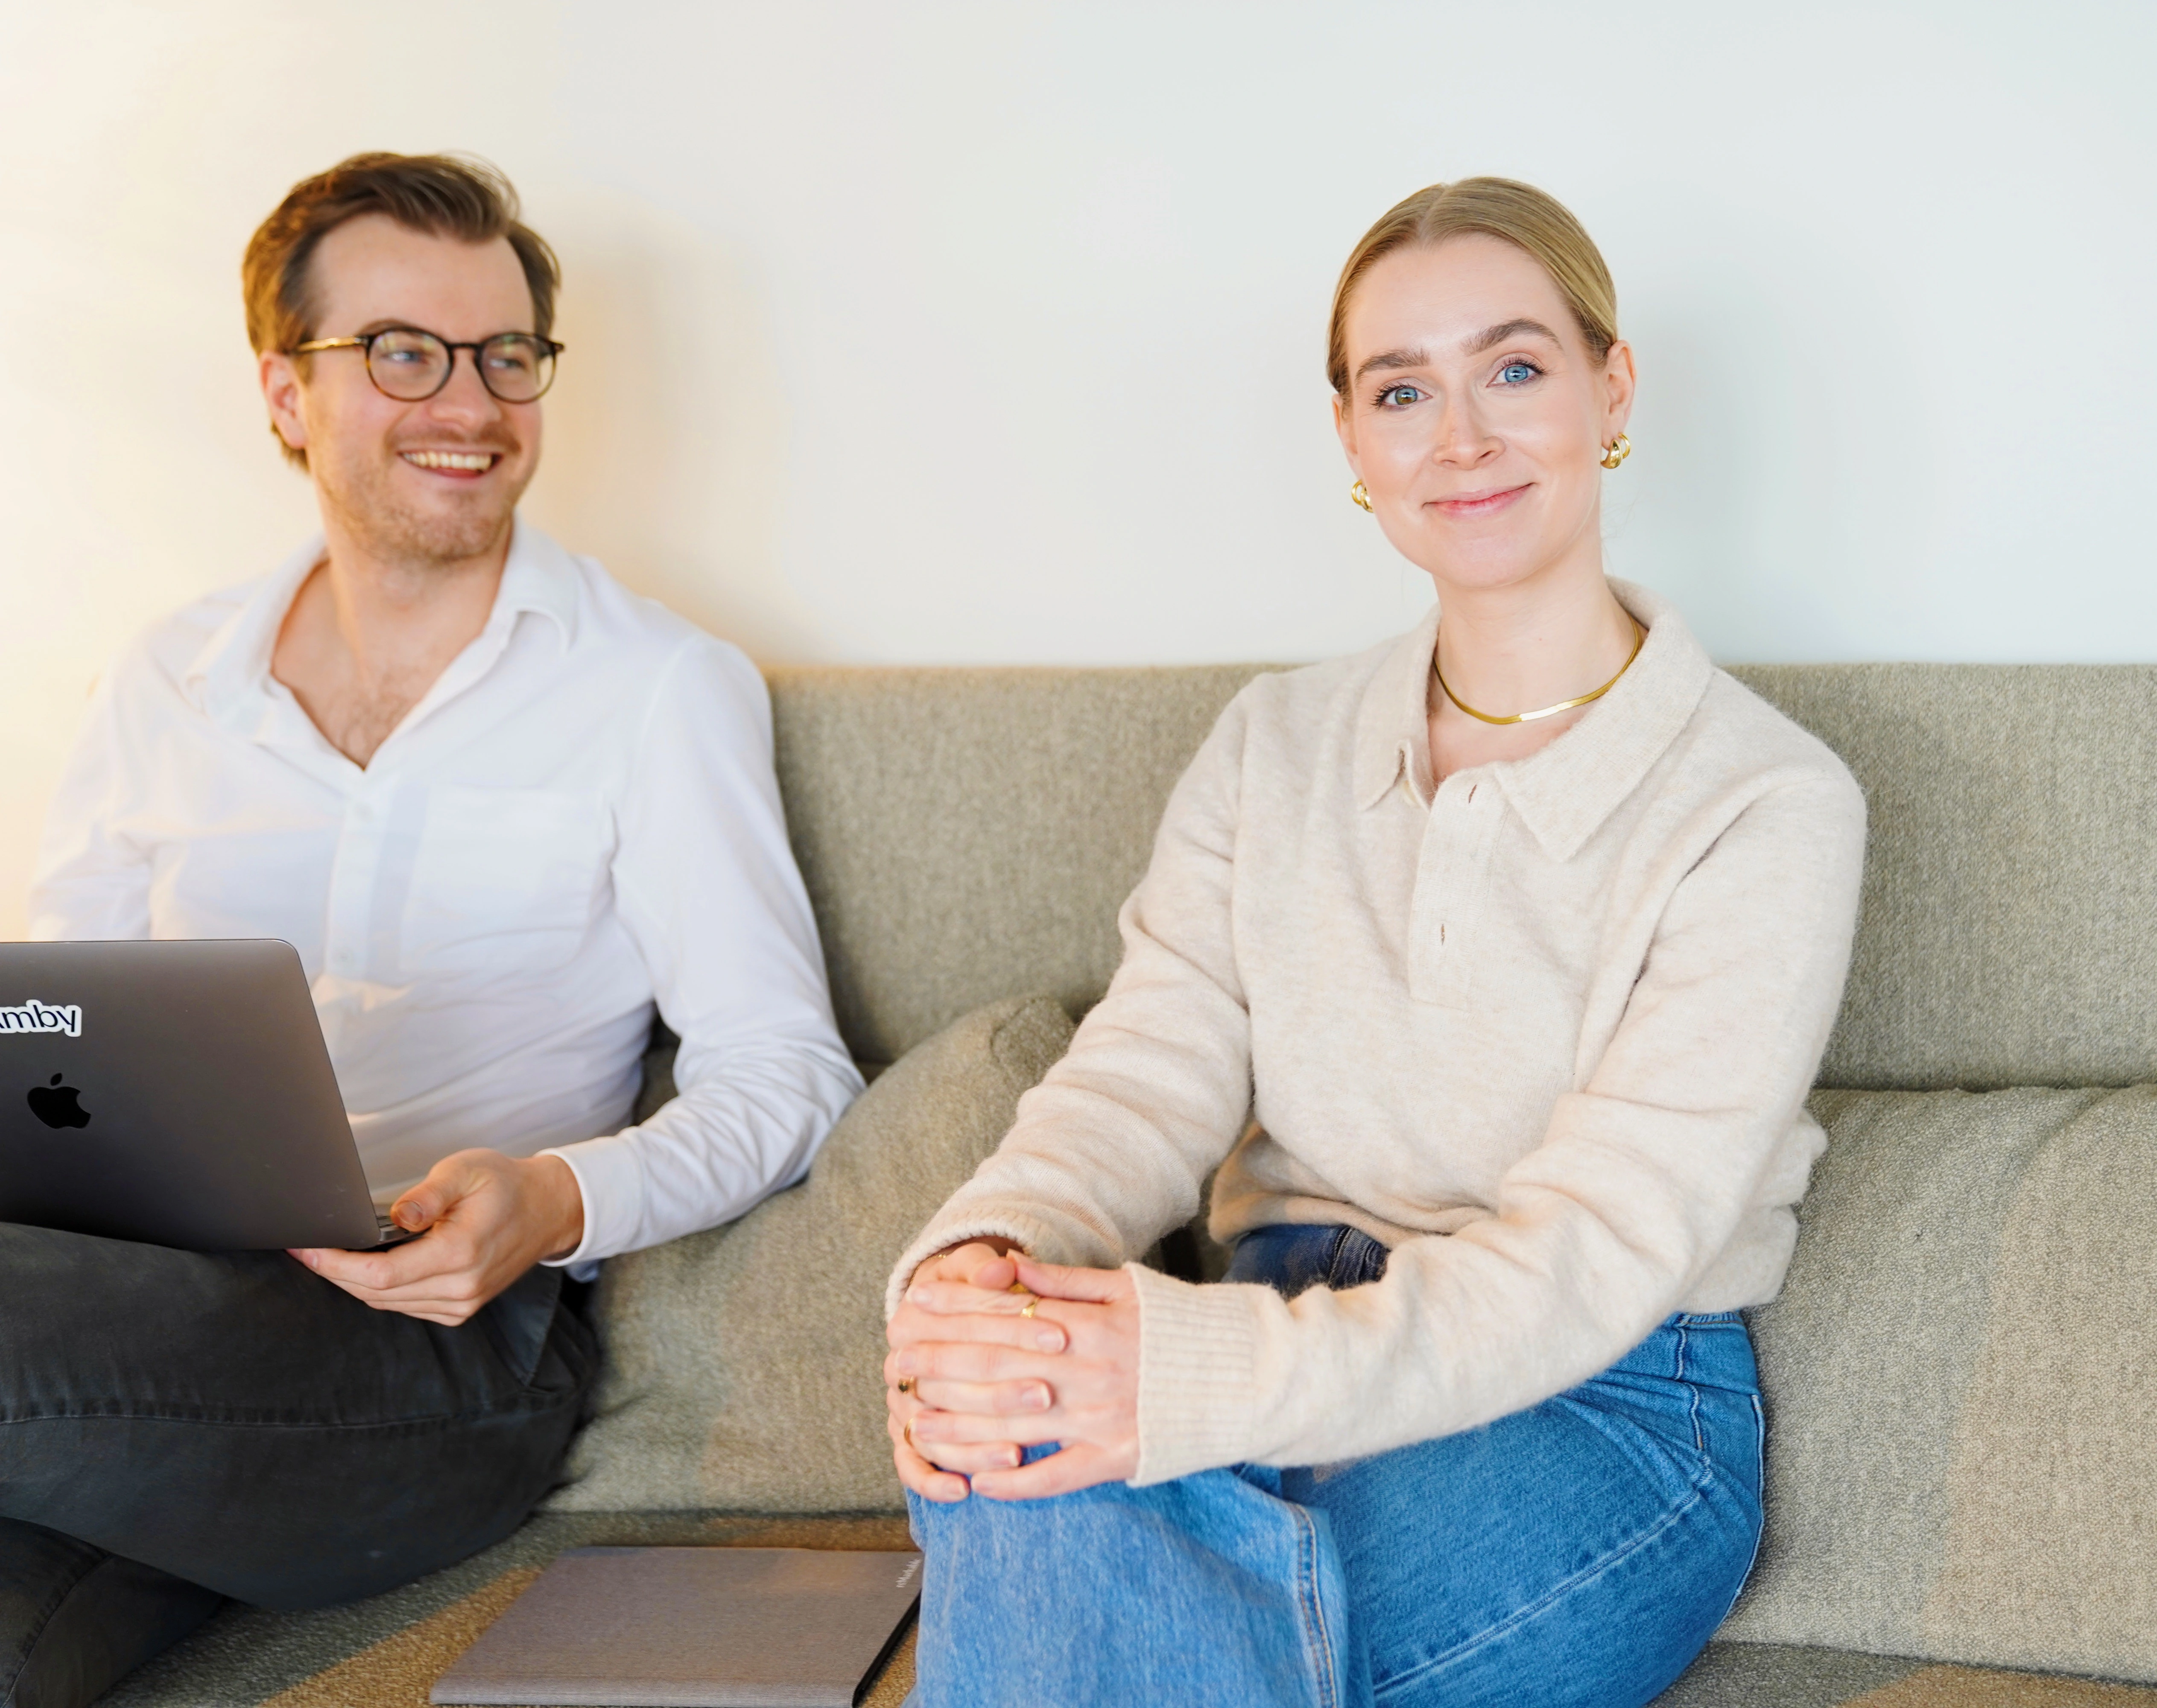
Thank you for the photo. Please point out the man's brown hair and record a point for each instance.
(444, 195)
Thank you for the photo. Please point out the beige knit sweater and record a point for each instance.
(1545, 1029)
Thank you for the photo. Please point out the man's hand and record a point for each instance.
(488, 1218)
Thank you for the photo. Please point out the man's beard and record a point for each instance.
(362, 493)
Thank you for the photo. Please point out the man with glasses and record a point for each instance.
(505, 811)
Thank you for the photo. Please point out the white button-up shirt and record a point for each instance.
(579, 820)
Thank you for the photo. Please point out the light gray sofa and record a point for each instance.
(1962, 1373)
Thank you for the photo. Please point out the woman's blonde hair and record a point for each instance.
(1521, 214)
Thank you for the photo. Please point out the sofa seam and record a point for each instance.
(996, 1037)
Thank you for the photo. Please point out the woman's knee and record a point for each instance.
(1131, 1574)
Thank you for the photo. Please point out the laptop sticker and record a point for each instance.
(44, 1017)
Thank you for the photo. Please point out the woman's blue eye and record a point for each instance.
(1398, 395)
(1518, 373)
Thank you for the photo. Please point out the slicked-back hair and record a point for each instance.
(444, 195)
(1522, 215)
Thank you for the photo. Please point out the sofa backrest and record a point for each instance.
(2009, 935)
(968, 834)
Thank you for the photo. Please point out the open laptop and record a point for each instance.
(175, 1093)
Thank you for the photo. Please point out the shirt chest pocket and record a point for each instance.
(504, 882)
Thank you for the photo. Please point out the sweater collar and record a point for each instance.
(1565, 792)
(1393, 725)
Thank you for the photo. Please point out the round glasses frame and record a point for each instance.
(366, 342)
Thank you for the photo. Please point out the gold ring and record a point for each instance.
(1027, 1309)
(906, 1434)
(906, 1384)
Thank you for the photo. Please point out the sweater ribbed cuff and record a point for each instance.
(1029, 1234)
(1198, 1375)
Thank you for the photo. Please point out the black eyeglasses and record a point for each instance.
(411, 365)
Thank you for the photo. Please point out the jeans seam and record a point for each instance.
(1692, 1393)
(1760, 1531)
(1586, 1574)
(1314, 1608)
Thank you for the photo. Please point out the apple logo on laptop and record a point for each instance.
(56, 1105)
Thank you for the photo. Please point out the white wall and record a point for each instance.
(954, 333)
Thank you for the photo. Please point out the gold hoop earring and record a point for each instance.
(1361, 494)
(1617, 451)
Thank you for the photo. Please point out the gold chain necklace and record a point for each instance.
(1639, 641)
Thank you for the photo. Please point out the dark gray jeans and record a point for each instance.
(180, 1427)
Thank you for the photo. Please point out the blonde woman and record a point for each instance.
(1490, 967)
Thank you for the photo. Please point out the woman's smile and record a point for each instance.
(1471, 505)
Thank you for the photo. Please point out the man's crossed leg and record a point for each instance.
(180, 1427)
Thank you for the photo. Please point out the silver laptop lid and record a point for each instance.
(693, 1628)
(177, 1092)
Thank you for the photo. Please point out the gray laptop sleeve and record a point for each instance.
(693, 1628)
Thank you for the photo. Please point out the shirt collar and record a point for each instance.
(234, 664)
(540, 577)
(1566, 790)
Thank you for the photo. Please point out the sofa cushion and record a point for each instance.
(1961, 1375)
(1767, 1676)
(744, 1365)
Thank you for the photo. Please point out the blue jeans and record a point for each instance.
(1578, 1553)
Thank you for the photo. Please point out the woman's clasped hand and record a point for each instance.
(975, 1378)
